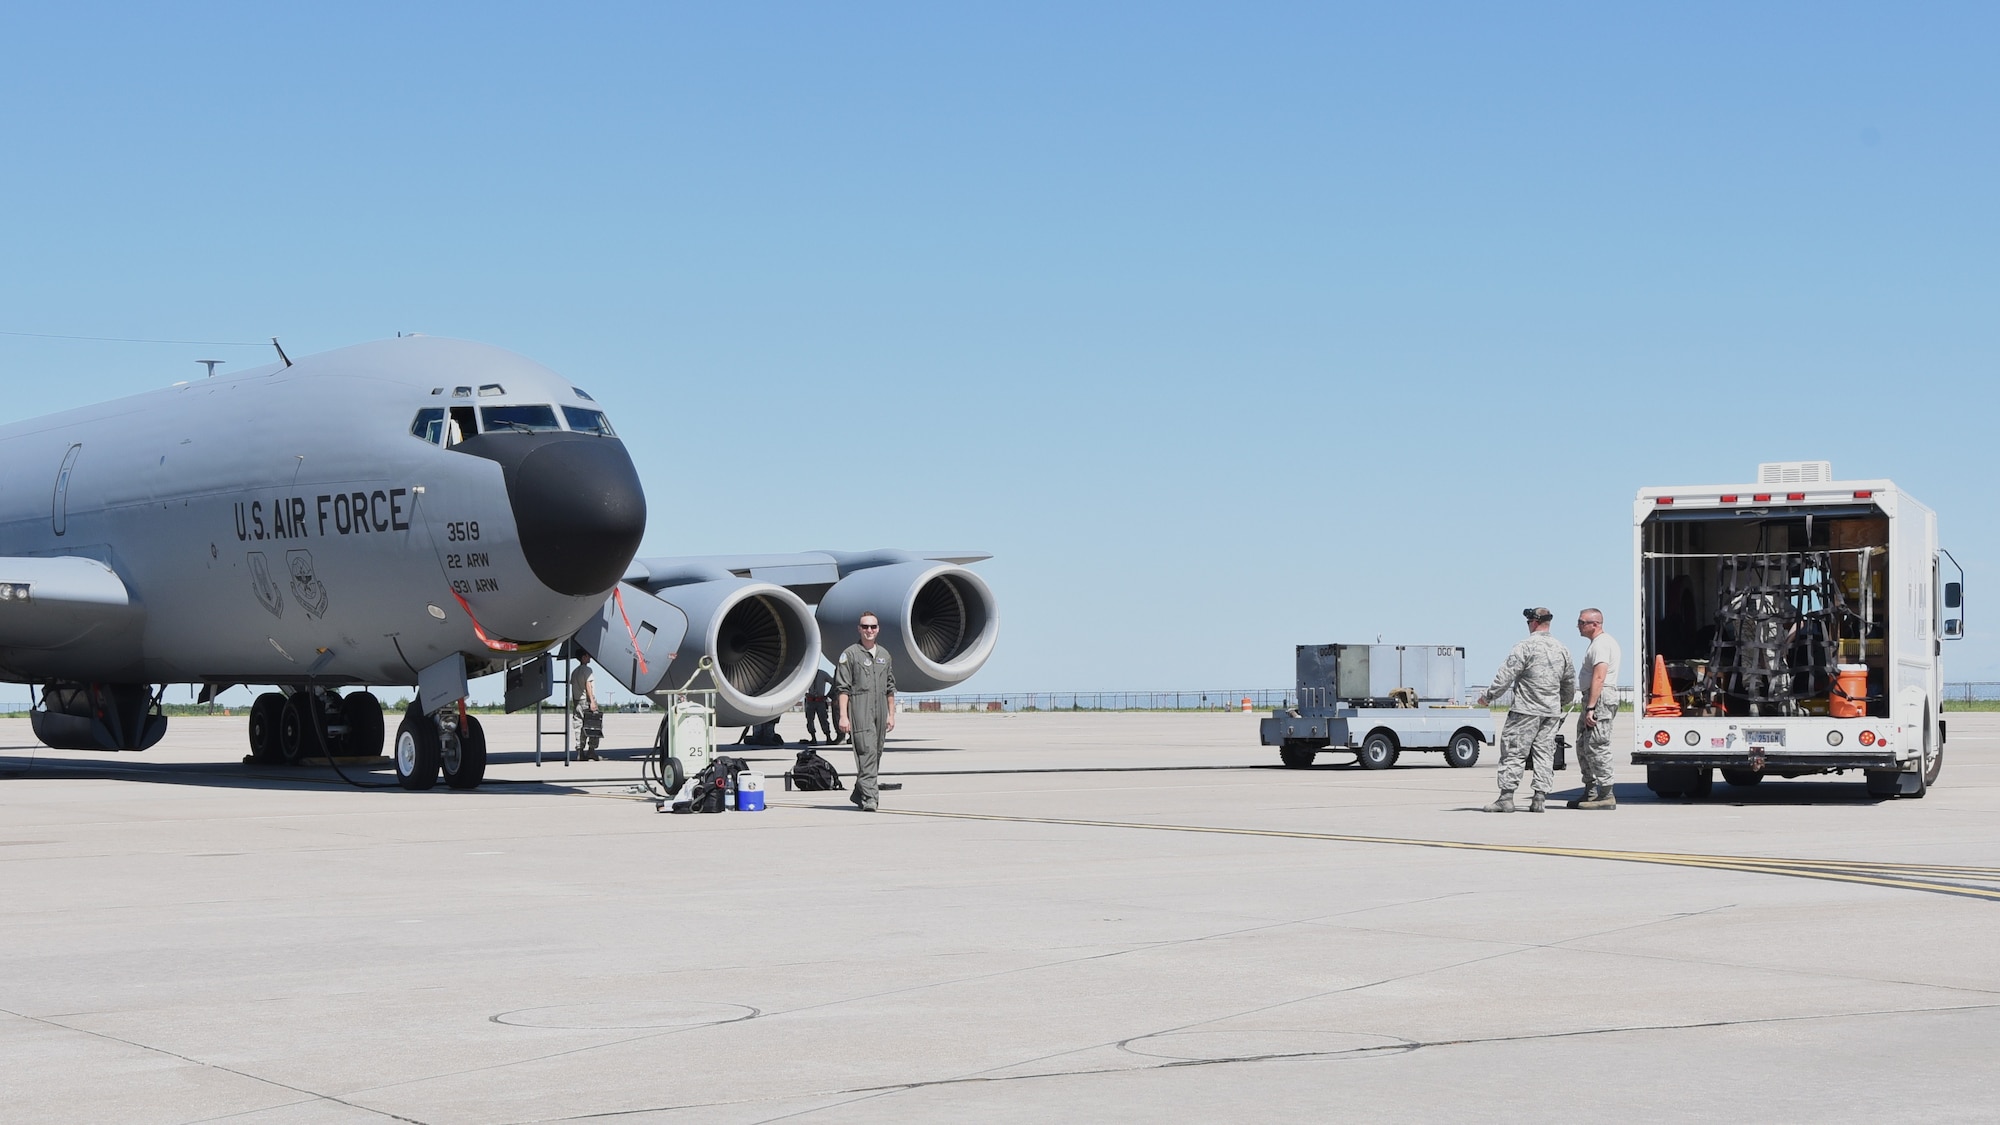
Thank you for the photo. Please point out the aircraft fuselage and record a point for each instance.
(287, 526)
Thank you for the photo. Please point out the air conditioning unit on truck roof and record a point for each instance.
(1788, 627)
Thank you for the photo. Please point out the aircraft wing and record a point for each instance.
(48, 603)
(799, 572)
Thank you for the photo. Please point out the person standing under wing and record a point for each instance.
(816, 707)
(1596, 682)
(864, 682)
(1542, 677)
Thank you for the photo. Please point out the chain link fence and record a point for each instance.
(1231, 699)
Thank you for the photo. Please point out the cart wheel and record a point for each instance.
(1742, 779)
(1298, 753)
(1463, 751)
(1378, 751)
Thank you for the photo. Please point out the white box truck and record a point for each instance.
(1788, 627)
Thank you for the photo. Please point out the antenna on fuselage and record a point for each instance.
(281, 351)
(211, 365)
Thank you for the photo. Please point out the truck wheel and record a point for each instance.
(1378, 751)
(1742, 779)
(1463, 751)
(1933, 752)
(1669, 782)
(1297, 753)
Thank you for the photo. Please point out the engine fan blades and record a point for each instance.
(752, 645)
(938, 620)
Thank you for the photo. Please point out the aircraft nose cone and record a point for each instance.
(580, 511)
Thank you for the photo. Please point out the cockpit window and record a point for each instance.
(588, 421)
(529, 419)
(491, 390)
(583, 394)
(429, 425)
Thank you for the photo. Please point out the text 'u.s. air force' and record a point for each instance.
(334, 513)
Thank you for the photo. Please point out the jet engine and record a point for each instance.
(761, 636)
(939, 620)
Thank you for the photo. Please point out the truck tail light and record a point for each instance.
(1692, 738)
(1729, 498)
(1834, 738)
(1661, 738)
(1864, 493)
(1867, 738)
(1664, 501)
(1762, 497)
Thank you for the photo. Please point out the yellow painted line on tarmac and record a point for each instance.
(1930, 878)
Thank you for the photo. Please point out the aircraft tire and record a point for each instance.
(264, 728)
(299, 727)
(417, 751)
(362, 713)
(467, 768)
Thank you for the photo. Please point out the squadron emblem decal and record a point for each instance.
(306, 586)
(267, 589)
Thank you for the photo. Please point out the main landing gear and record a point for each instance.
(314, 723)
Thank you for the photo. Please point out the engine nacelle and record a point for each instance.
(939, 620)
(762, 637)
(77, 716)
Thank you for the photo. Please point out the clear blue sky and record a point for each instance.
(1224, 327)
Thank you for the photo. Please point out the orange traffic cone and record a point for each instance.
(1662, 702)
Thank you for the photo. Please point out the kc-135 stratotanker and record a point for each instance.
(412, 512)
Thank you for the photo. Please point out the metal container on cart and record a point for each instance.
(1376, 701)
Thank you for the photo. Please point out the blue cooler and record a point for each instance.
(749, 800)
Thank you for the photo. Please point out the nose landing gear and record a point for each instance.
(427, 745)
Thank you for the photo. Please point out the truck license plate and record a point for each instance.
(1764, 737)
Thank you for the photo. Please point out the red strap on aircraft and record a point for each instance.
(489, 642)
(620, 599)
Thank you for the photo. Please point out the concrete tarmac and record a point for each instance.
(1097, 917)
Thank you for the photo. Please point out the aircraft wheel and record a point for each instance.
(264, 727)
(467, 768)
(1378, 751)
(362, 713)
(1742, 779)
(299, 728)
(1463, 751)
(417, 750)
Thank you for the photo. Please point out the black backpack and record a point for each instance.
(708, 791)
(814, 773)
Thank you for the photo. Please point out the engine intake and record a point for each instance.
(762, 637)
(939, 620)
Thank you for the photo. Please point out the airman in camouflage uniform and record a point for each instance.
(1542, 677)
(864, 683)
